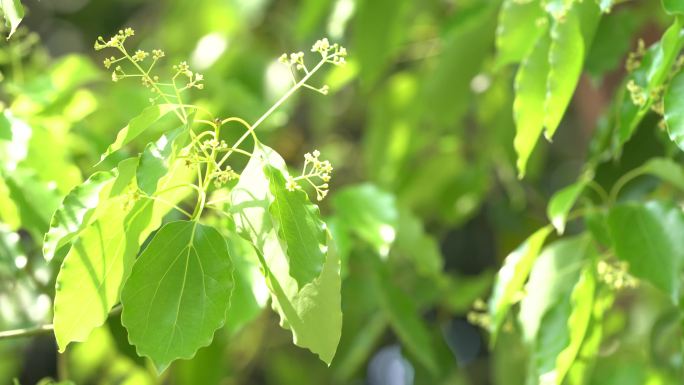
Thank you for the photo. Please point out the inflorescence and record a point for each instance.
(330, 53)
(315, 172)
(168, 91)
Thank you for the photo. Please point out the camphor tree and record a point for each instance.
(156, 260)
(177, 292)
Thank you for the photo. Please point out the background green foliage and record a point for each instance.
(454, 270)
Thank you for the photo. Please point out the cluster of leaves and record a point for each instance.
(179, 290)
(567, 288)
(438, 147)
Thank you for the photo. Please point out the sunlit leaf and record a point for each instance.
(570, 38)
(178, 292)
(101, 257)
(157, 157)
(70, 218)
(299, 225)
(15, 135)
(311, 312)
(528, 107)
(582, 365)
(137, 125)
(91, 274)
(13, 12)
(53, 86)
(562, 202)
(517, 30)
(552, 278)
(582, 299)
(606, 5)
(512, 276)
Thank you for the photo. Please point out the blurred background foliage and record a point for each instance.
(424, 205)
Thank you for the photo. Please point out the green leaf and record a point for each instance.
(673, 101)
(35, 199)
(250, 293)
(611, 42)
(375, 43)
(552, 338)
(13, 12)
(649, 77)
(648, 237)
(418, 246)
(402, 314)
(50, 156)
(312, 312)
(673, 7)
(371, 213)
(471, 35)
(15, 135)
(558, 9)
(570, 40)
(562, 202)
(512, 276)
(667, 170)
(606, 5)
(582, 300)
(71, 217)
(582, 365)
(552, 278)
(51, 88)
(88, 282)
(528, 106)
(155, 160)
(517, 30)
(137, 125)
(299, 224)
(178, 292)
(101, 257)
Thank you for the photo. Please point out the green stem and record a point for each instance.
(151, 81)
(274, 107)
(26, 332)
(626, 178)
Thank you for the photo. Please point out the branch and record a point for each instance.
(26, 332)
(41, 329)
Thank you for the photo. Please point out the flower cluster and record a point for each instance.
(115, 41)
(213, 144)
(316, 172)
(330, 53)
(615, 275)
(636, 93)
(168, 91)
(479, 316)
(333, 53)
(222, 177)
(634, 58)
(194, 79)
(139, 55)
